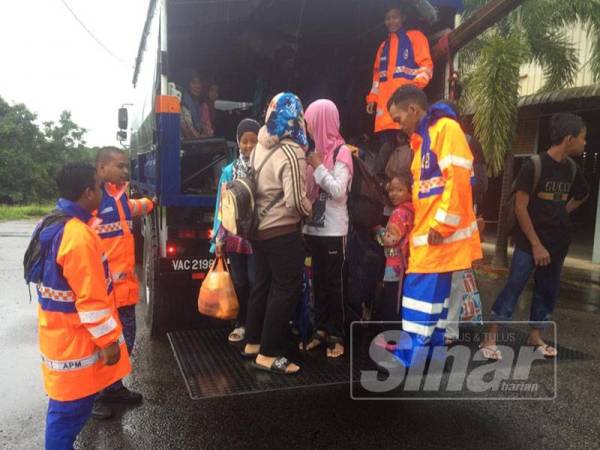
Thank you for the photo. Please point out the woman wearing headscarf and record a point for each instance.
(328, 178)
(281, 205)
(239, 251)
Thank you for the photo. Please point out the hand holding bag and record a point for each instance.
(217, 296)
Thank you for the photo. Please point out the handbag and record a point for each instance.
(217, 297)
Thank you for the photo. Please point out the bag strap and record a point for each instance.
(260, 168)
(537, 171)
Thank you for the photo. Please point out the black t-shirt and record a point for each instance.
(547, 205)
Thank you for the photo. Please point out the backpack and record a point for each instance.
(366, 199)
(238, 201)
(511, 220)
(33, 261)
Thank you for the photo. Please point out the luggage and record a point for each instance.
(367, 199)
(217, 296)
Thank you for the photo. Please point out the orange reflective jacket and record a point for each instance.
(403, 58)
(77, 312)
(114, 228)
(442, 170)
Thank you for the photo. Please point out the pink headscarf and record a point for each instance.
(323, 121)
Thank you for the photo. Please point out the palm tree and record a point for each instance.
(534, 32)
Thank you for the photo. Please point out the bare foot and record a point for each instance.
(252, 349)
(336, 351)
(267, 361)
(316, 341)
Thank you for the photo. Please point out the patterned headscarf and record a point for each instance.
(285, 120)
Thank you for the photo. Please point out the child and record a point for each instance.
(395, 239)
(114, 222)
(78, 325)
(238, 250)
(542, 239)
(403, 58)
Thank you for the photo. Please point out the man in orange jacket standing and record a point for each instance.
(82, 346)
(403, 58)
(445, 236)
(114, 226)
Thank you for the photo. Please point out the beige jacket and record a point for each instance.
(283, 177)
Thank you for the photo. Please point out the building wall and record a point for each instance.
(532, 75)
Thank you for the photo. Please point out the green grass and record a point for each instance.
(22, 212)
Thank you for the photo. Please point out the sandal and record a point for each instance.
(319, 338)
(237, 335)
(547, 351)
(279, 367)
(332, 342)
(491, 352)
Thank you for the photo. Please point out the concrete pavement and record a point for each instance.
(311, 418)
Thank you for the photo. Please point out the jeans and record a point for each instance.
(455, 304)
(65, 420)
(279, 270)
(127, 318)
(545, 289)
(243, 274)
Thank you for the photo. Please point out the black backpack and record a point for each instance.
(33, 261)
(367, 198)
(511, 220)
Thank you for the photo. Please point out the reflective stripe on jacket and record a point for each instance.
(77, 314)
(442, 198)
(417, 72)
(114, 227)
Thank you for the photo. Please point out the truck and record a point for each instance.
(253, 49)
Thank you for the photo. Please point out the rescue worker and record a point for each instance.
(445, 236)
(81, 341)
(403, 58)
(114, 226)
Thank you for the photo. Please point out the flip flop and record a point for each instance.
(491, 352)
(278, 367)
(547, 351)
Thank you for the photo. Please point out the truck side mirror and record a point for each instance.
(121, 135)
(123, 118)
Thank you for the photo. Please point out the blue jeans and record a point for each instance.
(127, 318)
(545, 289)
(243, 274)
(65, 420)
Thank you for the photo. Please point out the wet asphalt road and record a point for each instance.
(310, 418)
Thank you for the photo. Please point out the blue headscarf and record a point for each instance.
(285, 119)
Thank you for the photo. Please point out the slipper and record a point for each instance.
(237, 335)
(279, 367)
(547, 351)
(491, 352)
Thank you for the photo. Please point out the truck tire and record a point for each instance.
(152, 296)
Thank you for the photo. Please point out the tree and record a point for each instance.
(534, 32)
(30, 157)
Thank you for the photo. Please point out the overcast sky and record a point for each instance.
(50, 63)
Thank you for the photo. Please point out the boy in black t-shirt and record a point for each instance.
(543, 236)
